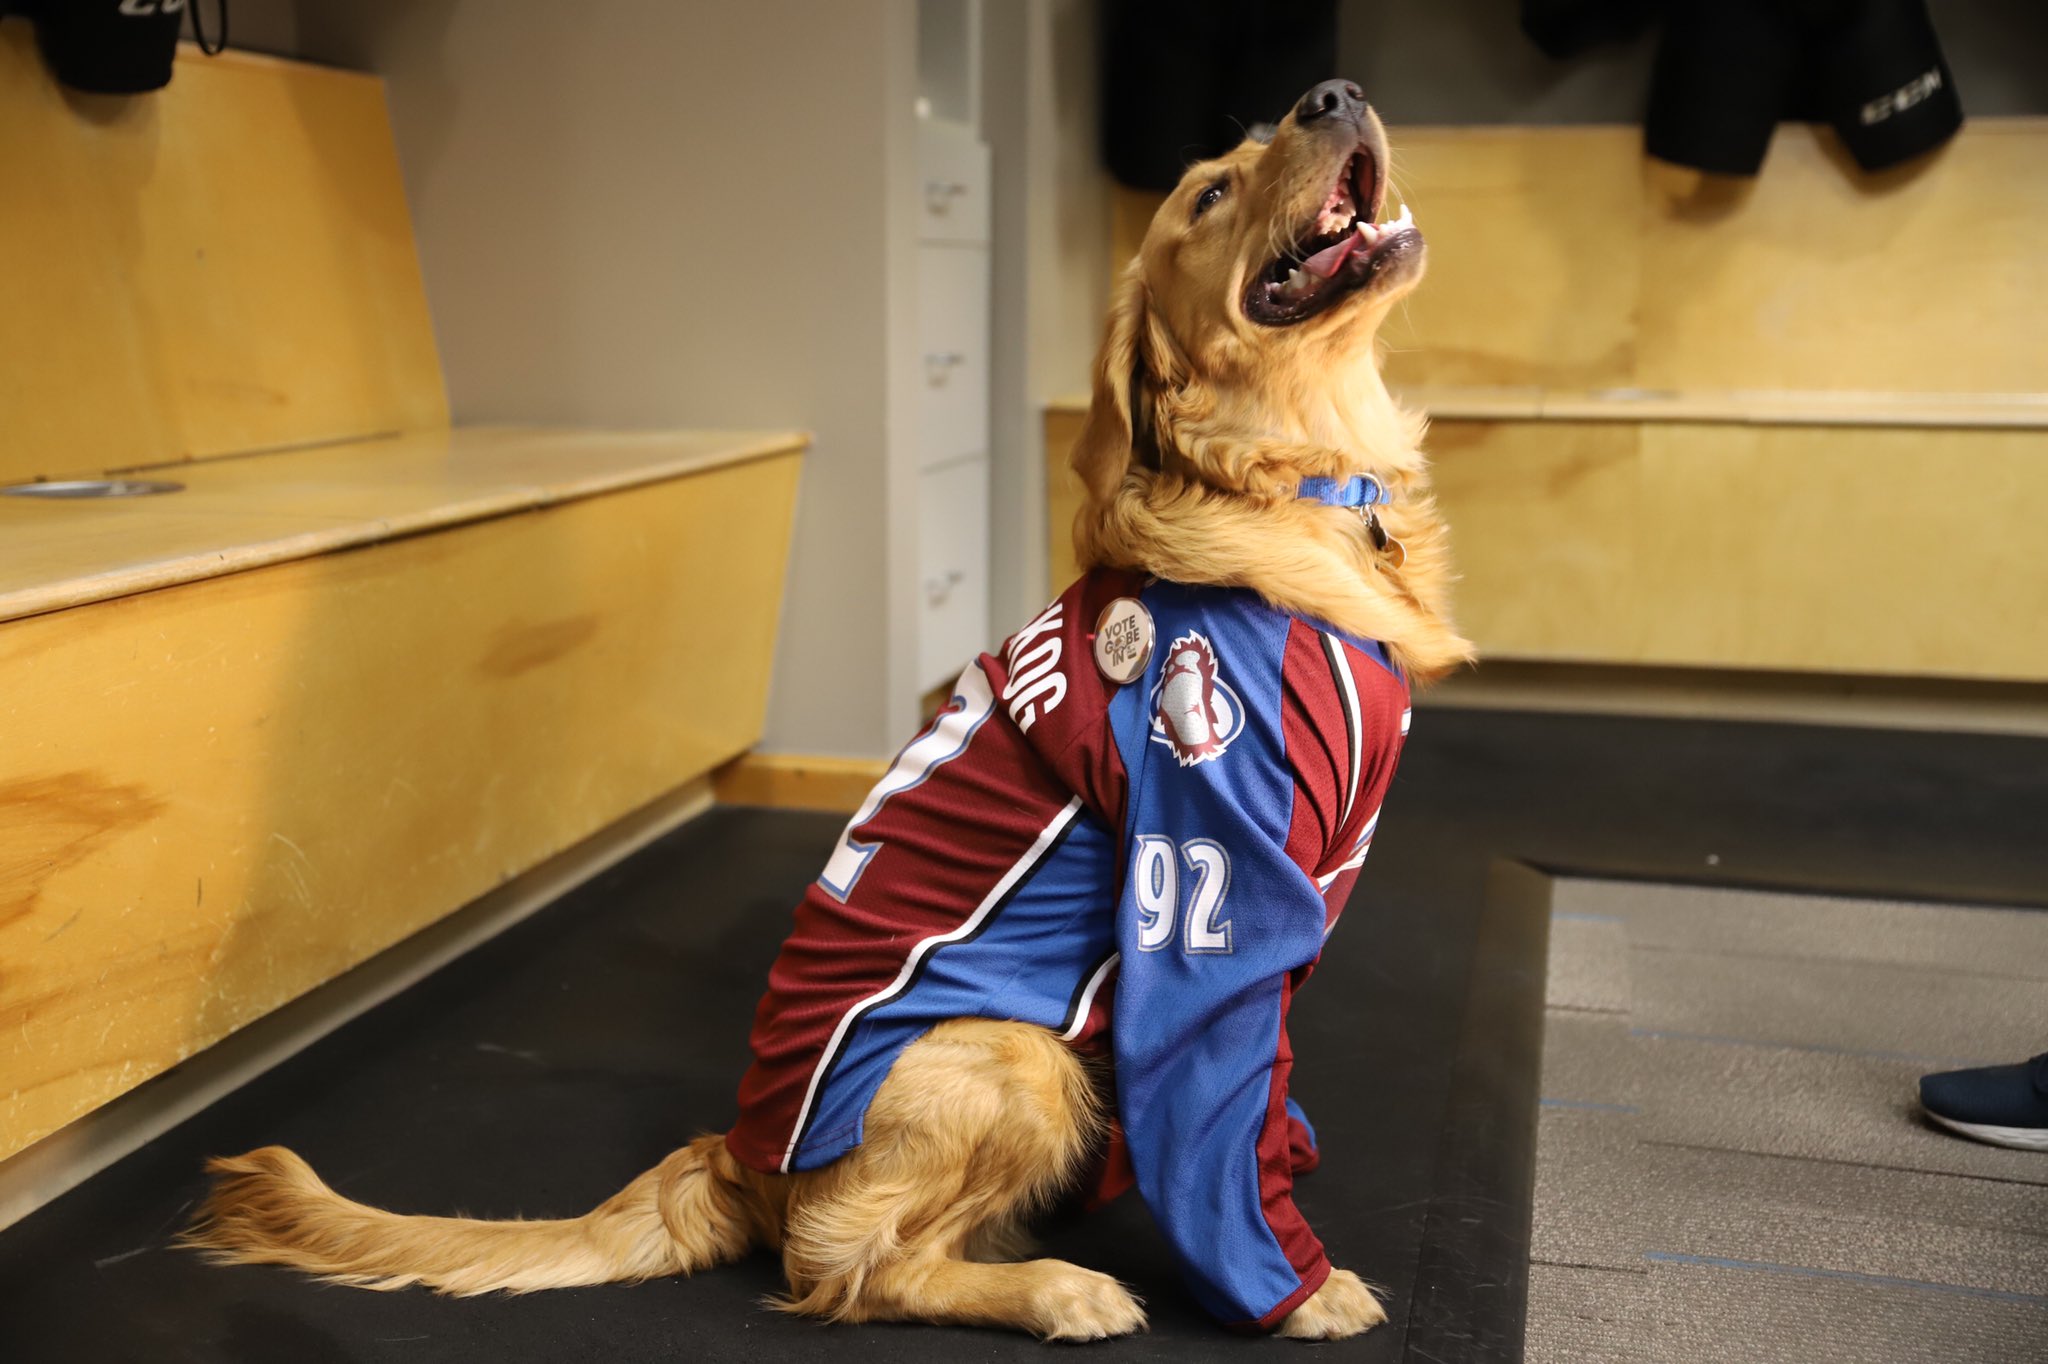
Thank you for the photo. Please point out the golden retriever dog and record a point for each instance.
(1239, 362)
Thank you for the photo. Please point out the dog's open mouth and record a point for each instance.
(1342, 250)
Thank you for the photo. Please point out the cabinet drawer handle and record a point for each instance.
(936, 590)
(937, 366)
(939, 194)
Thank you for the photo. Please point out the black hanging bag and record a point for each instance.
(115, 47)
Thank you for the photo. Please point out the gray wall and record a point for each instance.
(639, 213)
(1468, 61)
(1051, 263)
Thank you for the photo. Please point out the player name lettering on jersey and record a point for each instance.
(1037, 685)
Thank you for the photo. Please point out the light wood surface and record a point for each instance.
(1891, 552)
(1895, 551)
(1769, 407)
(237, 514)
(1764, 407)
(789, 781)
(257, 730)
(1914, 703)
(1062, 495)
(1924, 279)
(48, 1169)
(224, 265)
(217, 795)
(1561, 258)
(1534, 256)
(1130, 213)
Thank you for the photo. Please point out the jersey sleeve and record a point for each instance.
(1219, 921)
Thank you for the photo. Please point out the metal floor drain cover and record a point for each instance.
(93, 487)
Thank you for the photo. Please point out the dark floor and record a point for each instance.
(538, 1073)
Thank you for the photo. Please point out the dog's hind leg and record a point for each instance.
(980, 1124)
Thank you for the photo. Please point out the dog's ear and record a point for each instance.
(1111, 435)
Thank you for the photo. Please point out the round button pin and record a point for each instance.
(1123, 640)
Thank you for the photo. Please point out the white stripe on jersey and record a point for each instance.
(1088, 992)
(1019, 869)
(1359, 850)
(1347, 688)
(946, 740)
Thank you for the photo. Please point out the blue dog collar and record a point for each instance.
(1359, 490)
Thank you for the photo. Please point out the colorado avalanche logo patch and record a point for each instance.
(1194, 711)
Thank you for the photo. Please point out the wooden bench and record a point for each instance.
(363, 667)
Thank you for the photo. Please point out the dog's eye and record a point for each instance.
(1209, 196)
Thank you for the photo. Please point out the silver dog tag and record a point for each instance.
(1393, 550)
(1123, 640)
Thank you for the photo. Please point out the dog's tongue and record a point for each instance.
(1330, 259)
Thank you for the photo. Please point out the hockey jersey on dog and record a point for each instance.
(1148, 868)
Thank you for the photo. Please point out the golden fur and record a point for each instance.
(1202, 424)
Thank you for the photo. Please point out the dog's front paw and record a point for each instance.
(1342, 1307)
(1080, 1304)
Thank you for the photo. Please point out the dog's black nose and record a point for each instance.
(1331, 97)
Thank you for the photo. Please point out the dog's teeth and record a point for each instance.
(1404, 220)
(1296, 282)
(1368, 231)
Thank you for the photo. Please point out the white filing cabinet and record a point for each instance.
(952, 556)
(952, 324)
(953, 389)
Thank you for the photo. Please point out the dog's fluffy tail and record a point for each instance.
(686, 1214)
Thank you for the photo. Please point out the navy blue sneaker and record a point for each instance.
(2004, 1105)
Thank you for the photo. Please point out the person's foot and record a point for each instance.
(2004, 1105)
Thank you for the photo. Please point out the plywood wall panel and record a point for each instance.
(1563, 260)
(223, 265)
(1062, 497)
(1789, 548)
(1533, 257)
(1541, 514)
(1929, 278)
